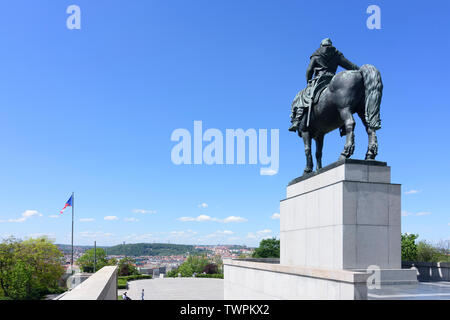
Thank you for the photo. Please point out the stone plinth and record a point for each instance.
(340, 232)
(347, 216)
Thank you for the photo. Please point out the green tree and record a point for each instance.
(127, 268)
(86, 261)
(426, 252)
(197, 262)
(185, 270)
(409, 247)
(8, 264)
(29, 269)
(217, 260)
(268, 248)
(444, 249)
(193, 263)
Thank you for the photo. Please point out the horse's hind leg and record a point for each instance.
(349, 123)
(372, 148)
(307, 141)
(319, 147)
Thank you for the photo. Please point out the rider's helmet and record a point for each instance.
(326, 42)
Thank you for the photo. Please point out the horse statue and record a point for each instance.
(352, 91)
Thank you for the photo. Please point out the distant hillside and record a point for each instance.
(67, 248)
(150, 249)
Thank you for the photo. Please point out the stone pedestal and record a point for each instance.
(348, 216)
(340, 233)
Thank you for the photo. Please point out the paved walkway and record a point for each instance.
(176, 289)
(422, 291)
(212, 289)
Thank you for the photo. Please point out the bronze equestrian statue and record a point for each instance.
(329, 102)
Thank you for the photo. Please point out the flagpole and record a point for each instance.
(73, 203)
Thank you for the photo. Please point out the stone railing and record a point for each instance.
(102, 285)
(430, 271)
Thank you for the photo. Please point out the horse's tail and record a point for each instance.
(374, 91)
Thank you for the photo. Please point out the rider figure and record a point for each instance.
(323, 65)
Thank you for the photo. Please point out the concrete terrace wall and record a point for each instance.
(430, 271)
(271, 281)
(102, 285)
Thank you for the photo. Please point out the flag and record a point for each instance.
(68, 204)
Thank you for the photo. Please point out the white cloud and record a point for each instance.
(406, 213)
(412, 191)
(97, 234)
(261, 234)
(54, 216)
(267, 172)
(229, 232)
(187, 233)
(233, 219)
(141, 237)
(143, 211)
(203, 218)
(417, 214)
(25, 216)
(185, 219)
(275, 216)
(111, 218)
(86, 219)
(50, 236)
(203, 205)
(220, 233)
(131, 220)
(200, 218)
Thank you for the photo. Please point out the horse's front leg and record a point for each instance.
(319, 148)
(307, 142)
(349, 147)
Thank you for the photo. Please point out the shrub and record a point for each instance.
(215, 275)
(210, 268)
(122, 281)
(172, 273)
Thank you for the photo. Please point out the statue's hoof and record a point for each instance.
(293, 129)
(307, 170)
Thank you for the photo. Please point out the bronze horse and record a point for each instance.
(349, 92)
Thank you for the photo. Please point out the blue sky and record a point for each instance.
(92, 111)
